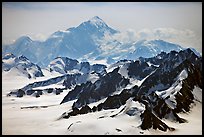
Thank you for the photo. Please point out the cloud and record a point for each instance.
(184, 37)
(39, 37)
(128, 36)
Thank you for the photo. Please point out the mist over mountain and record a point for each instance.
(86, 42)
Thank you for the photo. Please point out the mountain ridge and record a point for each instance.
(162, 84)
(86, 42)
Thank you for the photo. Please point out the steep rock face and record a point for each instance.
(115, 101)
(165, 92)
(173, 59)
(75, 111)
(171, 66)
(167, 103)
(159, 107)
(88, 93)
(102, 88)
(99, 68)
(72, 80)
(74, 94)
(139, 69)
(185, 96)
(85, 67)
(149, 120)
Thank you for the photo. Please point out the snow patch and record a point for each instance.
(183, 75)
(151, 64)
(197, 92)
(123, 71)
(172, 91)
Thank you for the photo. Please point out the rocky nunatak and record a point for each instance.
(175, 72)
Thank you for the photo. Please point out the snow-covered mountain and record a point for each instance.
(20, 65)
(24, 46)
(73, 42)
(113, 51)
(70, 73)
(87, 42)
(92, 92)
(165, 88)
(151, 48)
(150, 80)
(65, 65)
(155, 90)
(146, 69)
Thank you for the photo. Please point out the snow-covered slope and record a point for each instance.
(151, 48)
(113, 51)
(73, 42)
(44, 120)
(161, 92)
(21, 66)
(92, 92)
(65, 65)
(63, 73)
(165, 90)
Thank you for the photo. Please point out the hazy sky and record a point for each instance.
(176, 22)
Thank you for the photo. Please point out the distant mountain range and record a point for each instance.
(21, 65)
(86, 42)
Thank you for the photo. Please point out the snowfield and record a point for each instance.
(44, 118)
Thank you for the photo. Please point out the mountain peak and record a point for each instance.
(96, 18)
(23, 58)
(97, 21)
(24, 38)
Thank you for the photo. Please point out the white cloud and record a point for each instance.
(128, 36)
(39, 37)
(185, 38)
